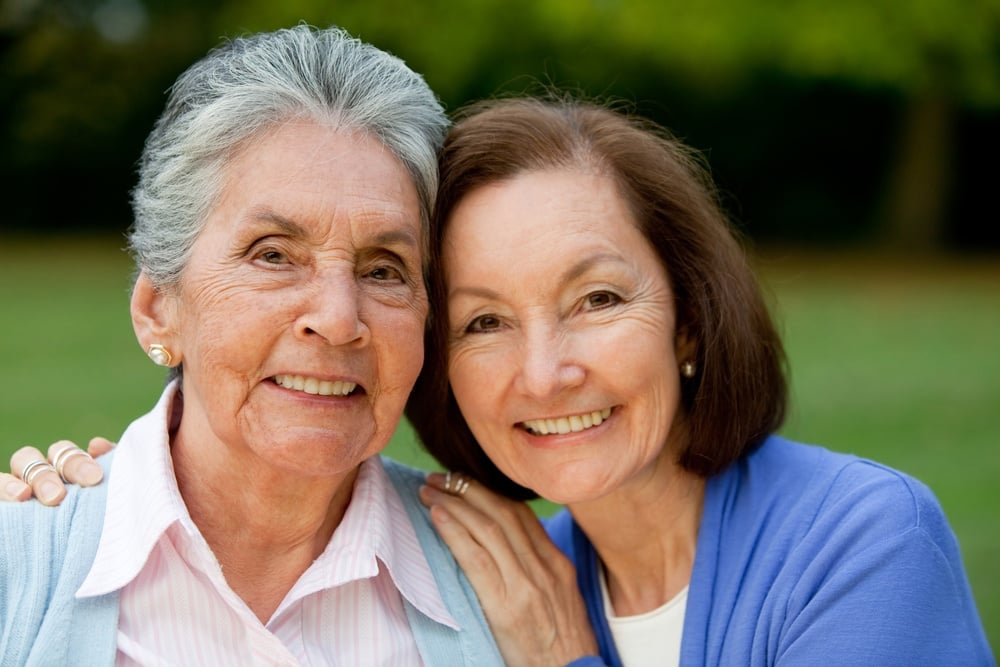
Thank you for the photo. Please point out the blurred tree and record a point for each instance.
(84, 79)
(935, 54)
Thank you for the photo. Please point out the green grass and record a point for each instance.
(892, 358)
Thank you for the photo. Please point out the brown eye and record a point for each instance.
(483, 324)
(597, 300)
(385, 273)
(272, 256)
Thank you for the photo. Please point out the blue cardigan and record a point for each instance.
(807, 557)
(45, 553)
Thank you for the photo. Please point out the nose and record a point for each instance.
(334, 310)
(548, 364)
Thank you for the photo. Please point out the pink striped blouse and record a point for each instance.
(176, 608)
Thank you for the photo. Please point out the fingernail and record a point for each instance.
(90, 474)
(439, 514)
(428, 494)
(14, 489)
(49, 492)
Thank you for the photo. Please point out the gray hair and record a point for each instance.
(246, 87)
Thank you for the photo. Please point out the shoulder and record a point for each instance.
(457, 593)
(31, 526)
(406, 479)
(804, 509)
(44, 555)
(834, 553)
(823, 482)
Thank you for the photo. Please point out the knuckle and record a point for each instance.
(507, 514)
(480, 560)
(493, 529)
(23, 457)
(60, 445)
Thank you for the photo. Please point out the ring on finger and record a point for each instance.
(64, 455)
(35, 468)
(455, 484)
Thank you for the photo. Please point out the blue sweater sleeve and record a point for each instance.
(883, 584)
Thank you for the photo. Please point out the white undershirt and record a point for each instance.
(652, 639)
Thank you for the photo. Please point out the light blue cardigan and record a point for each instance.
(45, 554)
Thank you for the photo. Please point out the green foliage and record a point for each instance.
(83, 80)
(891, 359)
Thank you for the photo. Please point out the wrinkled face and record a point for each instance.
(300, 315)
(562, 347)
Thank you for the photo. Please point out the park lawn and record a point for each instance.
(893, 358)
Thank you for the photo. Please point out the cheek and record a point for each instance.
(402, 349)
(478, 382)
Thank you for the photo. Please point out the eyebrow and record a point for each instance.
(575, 270)
(390, 237)
(288, 226)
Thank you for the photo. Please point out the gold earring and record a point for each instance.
(688, 369)
(160, 355)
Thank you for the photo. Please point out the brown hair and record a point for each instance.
(739, 393)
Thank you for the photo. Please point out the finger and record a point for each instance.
(74, 465)
(99, 446)
(13, 489)
(530, 611)
(45, 484)
(495, 527)
(530, 536)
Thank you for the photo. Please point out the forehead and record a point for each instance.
(321, 177)
(548, 208)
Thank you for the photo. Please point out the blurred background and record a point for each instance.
(854, 143)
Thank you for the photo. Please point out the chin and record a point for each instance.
(570, 488)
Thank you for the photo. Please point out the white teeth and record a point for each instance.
(315, 386)
(564, 425)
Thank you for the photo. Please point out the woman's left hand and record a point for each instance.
(526, 586)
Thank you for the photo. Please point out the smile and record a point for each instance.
(563, 425)
(314, 385)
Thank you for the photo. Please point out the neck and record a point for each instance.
(266, 529)
(645, 537)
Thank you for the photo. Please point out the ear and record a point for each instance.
(685, 347)
(154, 318)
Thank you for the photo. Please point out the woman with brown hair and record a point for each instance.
(599, 340)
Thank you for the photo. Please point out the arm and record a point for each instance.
(526, 586)
(47, 485)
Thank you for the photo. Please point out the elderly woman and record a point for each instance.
(599, 340)
(279, 235)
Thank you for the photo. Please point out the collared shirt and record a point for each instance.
(177, 609)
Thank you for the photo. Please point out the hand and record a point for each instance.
(46, 484)
(526, 586)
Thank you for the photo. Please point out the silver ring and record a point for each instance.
(64, 455)
(35, 468)
(456, 485)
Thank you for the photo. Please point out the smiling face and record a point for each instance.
(562, 356)
(299, 317)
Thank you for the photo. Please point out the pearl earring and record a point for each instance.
(688, 369)
(160, 355)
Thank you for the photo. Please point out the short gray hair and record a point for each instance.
(246, 87)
